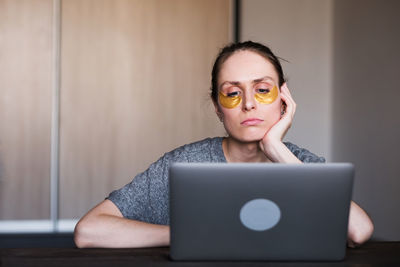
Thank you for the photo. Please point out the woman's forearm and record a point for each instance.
(117, 232)
(104, 226)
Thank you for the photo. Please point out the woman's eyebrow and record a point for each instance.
(265, 78)
(229, 82)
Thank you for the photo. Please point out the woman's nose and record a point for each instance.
(249, 102)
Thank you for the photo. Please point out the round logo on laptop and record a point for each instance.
(260, 214)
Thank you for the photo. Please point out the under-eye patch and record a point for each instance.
(229, 101)
(268, 97)
(262, 96)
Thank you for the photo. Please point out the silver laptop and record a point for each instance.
(253, 211)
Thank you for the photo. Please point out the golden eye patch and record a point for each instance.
(230, 101)
(267, 97)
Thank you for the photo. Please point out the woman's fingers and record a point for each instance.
(289, 105)
(282, 126)
(286, 119)
(288, 99)
(286, 89)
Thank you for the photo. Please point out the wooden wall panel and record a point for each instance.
(135, 81)
(25, 108)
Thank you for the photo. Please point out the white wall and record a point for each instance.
(301, 32)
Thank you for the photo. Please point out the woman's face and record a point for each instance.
(249, 100)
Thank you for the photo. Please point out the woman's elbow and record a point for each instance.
(362, 234)
(82, 234)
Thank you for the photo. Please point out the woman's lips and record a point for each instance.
(251, 121)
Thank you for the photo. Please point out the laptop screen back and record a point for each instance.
(250, 211)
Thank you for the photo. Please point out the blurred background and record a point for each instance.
(93, 91)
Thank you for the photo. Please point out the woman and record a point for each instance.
(253, 102)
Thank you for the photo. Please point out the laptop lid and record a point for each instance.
(253, 211)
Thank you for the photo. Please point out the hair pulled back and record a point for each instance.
(230, 49)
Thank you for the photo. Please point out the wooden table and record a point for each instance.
(370, 254)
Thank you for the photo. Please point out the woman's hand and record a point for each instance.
(272, 144)
(279, 130)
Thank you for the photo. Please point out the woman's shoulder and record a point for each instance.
(304, 154)
(205, 150)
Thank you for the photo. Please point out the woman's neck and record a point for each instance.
(236, 151)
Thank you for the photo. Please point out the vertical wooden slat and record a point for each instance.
(25, 108)
(135, 81)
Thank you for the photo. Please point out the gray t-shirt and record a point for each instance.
(146, 197)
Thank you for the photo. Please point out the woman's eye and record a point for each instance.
(232, 94)
(263, 91)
